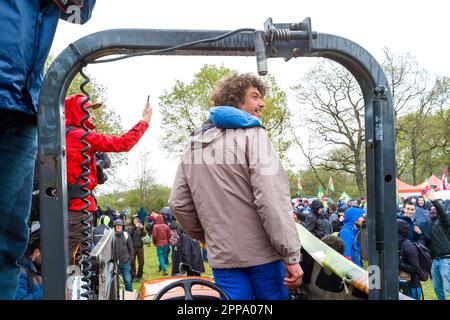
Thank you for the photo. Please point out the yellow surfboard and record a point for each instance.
(333, 260)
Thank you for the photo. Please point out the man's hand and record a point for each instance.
(147, 113)
(417, 230)
(294, 275)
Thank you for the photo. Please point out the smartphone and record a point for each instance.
(148, 98)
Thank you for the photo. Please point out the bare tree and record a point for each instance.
(145, 178)
(424, 132)
(311, 157)
(334, 111)
(407, 81)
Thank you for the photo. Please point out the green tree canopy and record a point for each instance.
(186, 107)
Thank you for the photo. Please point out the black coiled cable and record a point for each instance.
(86, 265)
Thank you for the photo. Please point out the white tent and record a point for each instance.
(443, 194)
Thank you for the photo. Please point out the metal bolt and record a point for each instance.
(294, 26)
(380, 90)
(296, 52)
(273, 52)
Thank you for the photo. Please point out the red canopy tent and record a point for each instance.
(404, 188)
(432, 181)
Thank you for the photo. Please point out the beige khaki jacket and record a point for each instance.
(231, 191)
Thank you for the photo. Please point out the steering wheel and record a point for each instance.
(187, 284)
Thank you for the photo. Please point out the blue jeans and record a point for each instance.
(166, 254)
(416, 293)
(440, 272)
(18, 145)
(160, 252)
(263, 282)
(125, 270)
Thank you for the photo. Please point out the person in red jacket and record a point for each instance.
(161, 236)
(98, 143)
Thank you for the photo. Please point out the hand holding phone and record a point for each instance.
(147, 112)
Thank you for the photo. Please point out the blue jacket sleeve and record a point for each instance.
(22, 289)
(346, 236)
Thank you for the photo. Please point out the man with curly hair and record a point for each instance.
(231, 192)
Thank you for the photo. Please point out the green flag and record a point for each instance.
(330, 184)
(425, 182)
(321, 196)
(344, 196)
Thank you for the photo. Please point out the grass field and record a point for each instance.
(151, 272)
(151, 267)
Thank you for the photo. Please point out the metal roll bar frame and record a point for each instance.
(285, 40)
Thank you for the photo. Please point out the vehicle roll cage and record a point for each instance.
(284, 40)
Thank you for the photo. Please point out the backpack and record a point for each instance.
(424, 261)
(74, 191)
(174, 236)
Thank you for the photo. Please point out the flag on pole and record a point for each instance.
(425, 182)
(425, 186)
(319, 193)
(345, 197)
(330, 184)
(444, 182)
(321, 196)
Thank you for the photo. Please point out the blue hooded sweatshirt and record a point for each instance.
(23, 292)
(349, 234)
(142, 215)
(232, 118)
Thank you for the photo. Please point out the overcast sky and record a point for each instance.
(419, 27)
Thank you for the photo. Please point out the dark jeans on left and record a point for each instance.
(139, 253)
(18, 146)
(126, 275)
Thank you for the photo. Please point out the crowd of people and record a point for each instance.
(423, 236)
(254, 249)
(424, 244)
(130, 236)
